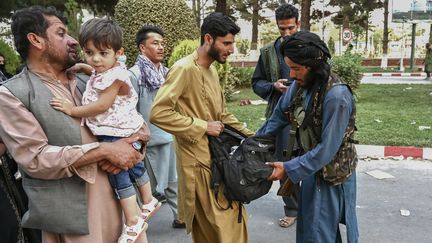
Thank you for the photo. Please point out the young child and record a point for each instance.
(109, 108)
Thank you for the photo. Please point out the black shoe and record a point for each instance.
(160, 197)
(177, 224)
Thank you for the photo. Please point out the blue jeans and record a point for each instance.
(122, 182)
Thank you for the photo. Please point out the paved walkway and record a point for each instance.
(394, 80)
(378, 208)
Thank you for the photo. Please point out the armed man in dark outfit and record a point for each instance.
(270, 80)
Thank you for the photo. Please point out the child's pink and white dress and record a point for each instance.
(122, 118)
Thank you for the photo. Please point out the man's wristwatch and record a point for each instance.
(137, 145)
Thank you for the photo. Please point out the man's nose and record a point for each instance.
(71, 41)
(285, 33)
(292, 74)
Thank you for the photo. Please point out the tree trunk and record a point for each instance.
(255, 9)
(196, 9)
(367, 33)
(385, 37)
(430, 34)
(305, 14)
(384, 59)
(221, 6)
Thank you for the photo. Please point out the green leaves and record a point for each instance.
(347, 67)
(173, 16)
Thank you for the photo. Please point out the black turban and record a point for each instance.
(305, 48)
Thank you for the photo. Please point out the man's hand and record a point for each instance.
(214, 128)
(280, 85)
(110, 168)
(62, 105)
(143, 134)
(121, 153)
(278, 171)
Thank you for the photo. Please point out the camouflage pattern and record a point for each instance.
(309, 128)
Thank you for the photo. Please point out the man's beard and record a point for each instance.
(214, 53)
(54, 56)
(309, 80)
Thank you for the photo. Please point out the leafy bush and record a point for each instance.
(331, 46)
(11, 57)
(348, 67)
(243, 45)
(183, 49)
(174, 17)
(244, 76)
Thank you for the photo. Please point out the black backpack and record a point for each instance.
(239, 162)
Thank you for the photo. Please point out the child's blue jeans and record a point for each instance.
(122, 182)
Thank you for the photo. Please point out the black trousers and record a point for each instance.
(291, 202)
(13, 204)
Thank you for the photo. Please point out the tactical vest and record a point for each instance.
(60, 205)
(308, 125)
(272, 71)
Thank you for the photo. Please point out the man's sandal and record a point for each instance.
(286, 221)
(149, 209)
(130, 234)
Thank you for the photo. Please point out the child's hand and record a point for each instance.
(62, 105)
(80, 68)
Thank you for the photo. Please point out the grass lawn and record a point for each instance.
(397, 106)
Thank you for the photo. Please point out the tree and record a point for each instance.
(269, 33)
(385, 35)
(74, 15)
(355, 12)
(221, 6)
(99, 7)
(252, 10)
(305, 14)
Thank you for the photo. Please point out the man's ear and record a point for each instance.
(298, 24)
(208, 39)
(141, 48)
(36, 41)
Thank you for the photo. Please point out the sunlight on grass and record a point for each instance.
(400, 108)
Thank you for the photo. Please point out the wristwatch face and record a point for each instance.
(137, 145)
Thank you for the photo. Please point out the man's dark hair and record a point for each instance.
(104, 33)
(142, 34)
(218, 25)
(307, 49)
(31, 20)
(286, 11)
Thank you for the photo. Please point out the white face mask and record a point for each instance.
(122, 58)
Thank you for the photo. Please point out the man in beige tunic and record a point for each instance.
(32, 133)
(190, 105)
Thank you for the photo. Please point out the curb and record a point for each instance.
(394, 74)
(384, 151)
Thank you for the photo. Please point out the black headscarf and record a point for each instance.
(305, 48)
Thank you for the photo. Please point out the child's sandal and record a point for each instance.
(148, 210)
(131, 233)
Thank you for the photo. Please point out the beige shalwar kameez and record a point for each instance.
(191, 96)
(28, 144)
